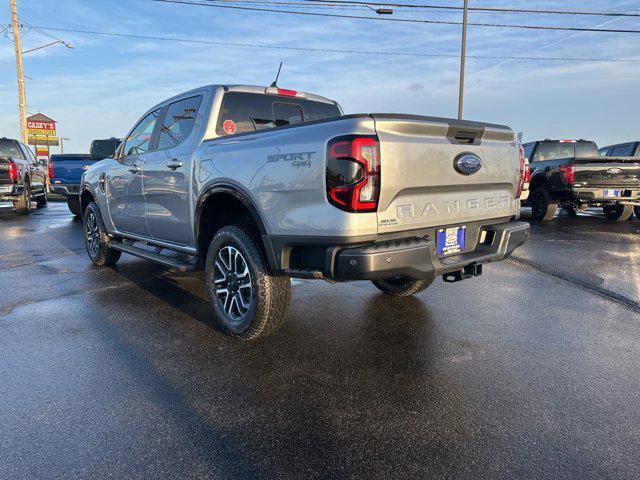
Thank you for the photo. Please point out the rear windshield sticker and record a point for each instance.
(229, 127)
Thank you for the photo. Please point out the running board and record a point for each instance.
(178, 264)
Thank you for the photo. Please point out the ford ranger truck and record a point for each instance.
(256, 185)
(573, 175)
(23, 178)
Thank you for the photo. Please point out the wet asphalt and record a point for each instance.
(530, 371)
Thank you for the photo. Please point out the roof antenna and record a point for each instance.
(275, 82)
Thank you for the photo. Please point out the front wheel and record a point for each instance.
(542, 207)
(618, 212)
(248, 302)
(401, 287)
(43, 199)
(96, 239)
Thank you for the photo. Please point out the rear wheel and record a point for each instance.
(401, 287)
(23, 204)
(571, 211)
(247, 301)
(542, 207)
(96, 239)
(73, 202)
(617, 212)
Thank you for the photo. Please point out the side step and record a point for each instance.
(178, 264)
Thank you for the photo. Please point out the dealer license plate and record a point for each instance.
(609, 193)
(451, 240)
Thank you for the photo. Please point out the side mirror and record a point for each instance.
(104, 148)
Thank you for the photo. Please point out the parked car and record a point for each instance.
(261, 184)
(23, 178)
(67, 170)
(572, 174)
(628, 149)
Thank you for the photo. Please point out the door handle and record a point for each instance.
(134, 168)
(174, 164)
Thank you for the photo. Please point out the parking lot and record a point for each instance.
(529, 371)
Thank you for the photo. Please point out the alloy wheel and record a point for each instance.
(92, 235)
(232, 283)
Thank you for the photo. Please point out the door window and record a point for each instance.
(139, 140)
(528, 150)
(178, 122)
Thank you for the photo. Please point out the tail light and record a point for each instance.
(525, 173)
(353, 173)
(50, 169)
(285, 92)
(568, 173)
(13, 171)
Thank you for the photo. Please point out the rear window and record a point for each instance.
(10, 148)
(623, 150)
(248, 112)
(555, 150)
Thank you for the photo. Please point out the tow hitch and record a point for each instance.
(473, 270)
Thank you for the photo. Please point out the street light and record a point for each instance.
(62, 144)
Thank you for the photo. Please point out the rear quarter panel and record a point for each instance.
(283, 172)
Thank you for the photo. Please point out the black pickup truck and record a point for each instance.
(23, 178)
(573, 175)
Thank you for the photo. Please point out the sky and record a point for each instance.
(104, 84)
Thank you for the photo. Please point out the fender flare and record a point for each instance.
(231, 188)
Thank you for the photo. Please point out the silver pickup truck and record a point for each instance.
(256, 185)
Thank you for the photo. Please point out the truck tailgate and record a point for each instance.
(70, 169)
(607, 172)
(421, 188)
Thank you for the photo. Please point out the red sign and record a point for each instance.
(41, 125)
(229, 127)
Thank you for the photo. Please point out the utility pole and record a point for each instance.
(62, 139)
(22, 97)
(463, 55)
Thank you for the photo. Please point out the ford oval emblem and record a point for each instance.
(614, 171)
(467, 163)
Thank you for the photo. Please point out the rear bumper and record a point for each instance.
(65, 189)
(629, 195)
(417, 259)
(10, 192)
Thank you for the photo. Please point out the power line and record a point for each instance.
(333, 50)
(484, 9)
(403, 20)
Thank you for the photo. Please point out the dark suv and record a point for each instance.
(23, 178)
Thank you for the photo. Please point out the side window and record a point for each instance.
(603, 151)
(179, 122)
(528, 150)
(139, 140)
(287, 114)
(622, 150)
(28, 154)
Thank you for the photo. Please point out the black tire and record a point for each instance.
(401, 287)
(23, 204)
(636, 210)
(245, 315)
(617, 212)
(42, 200)
(96, 239)
(542, 207)
(73, 202)
(571, 211)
